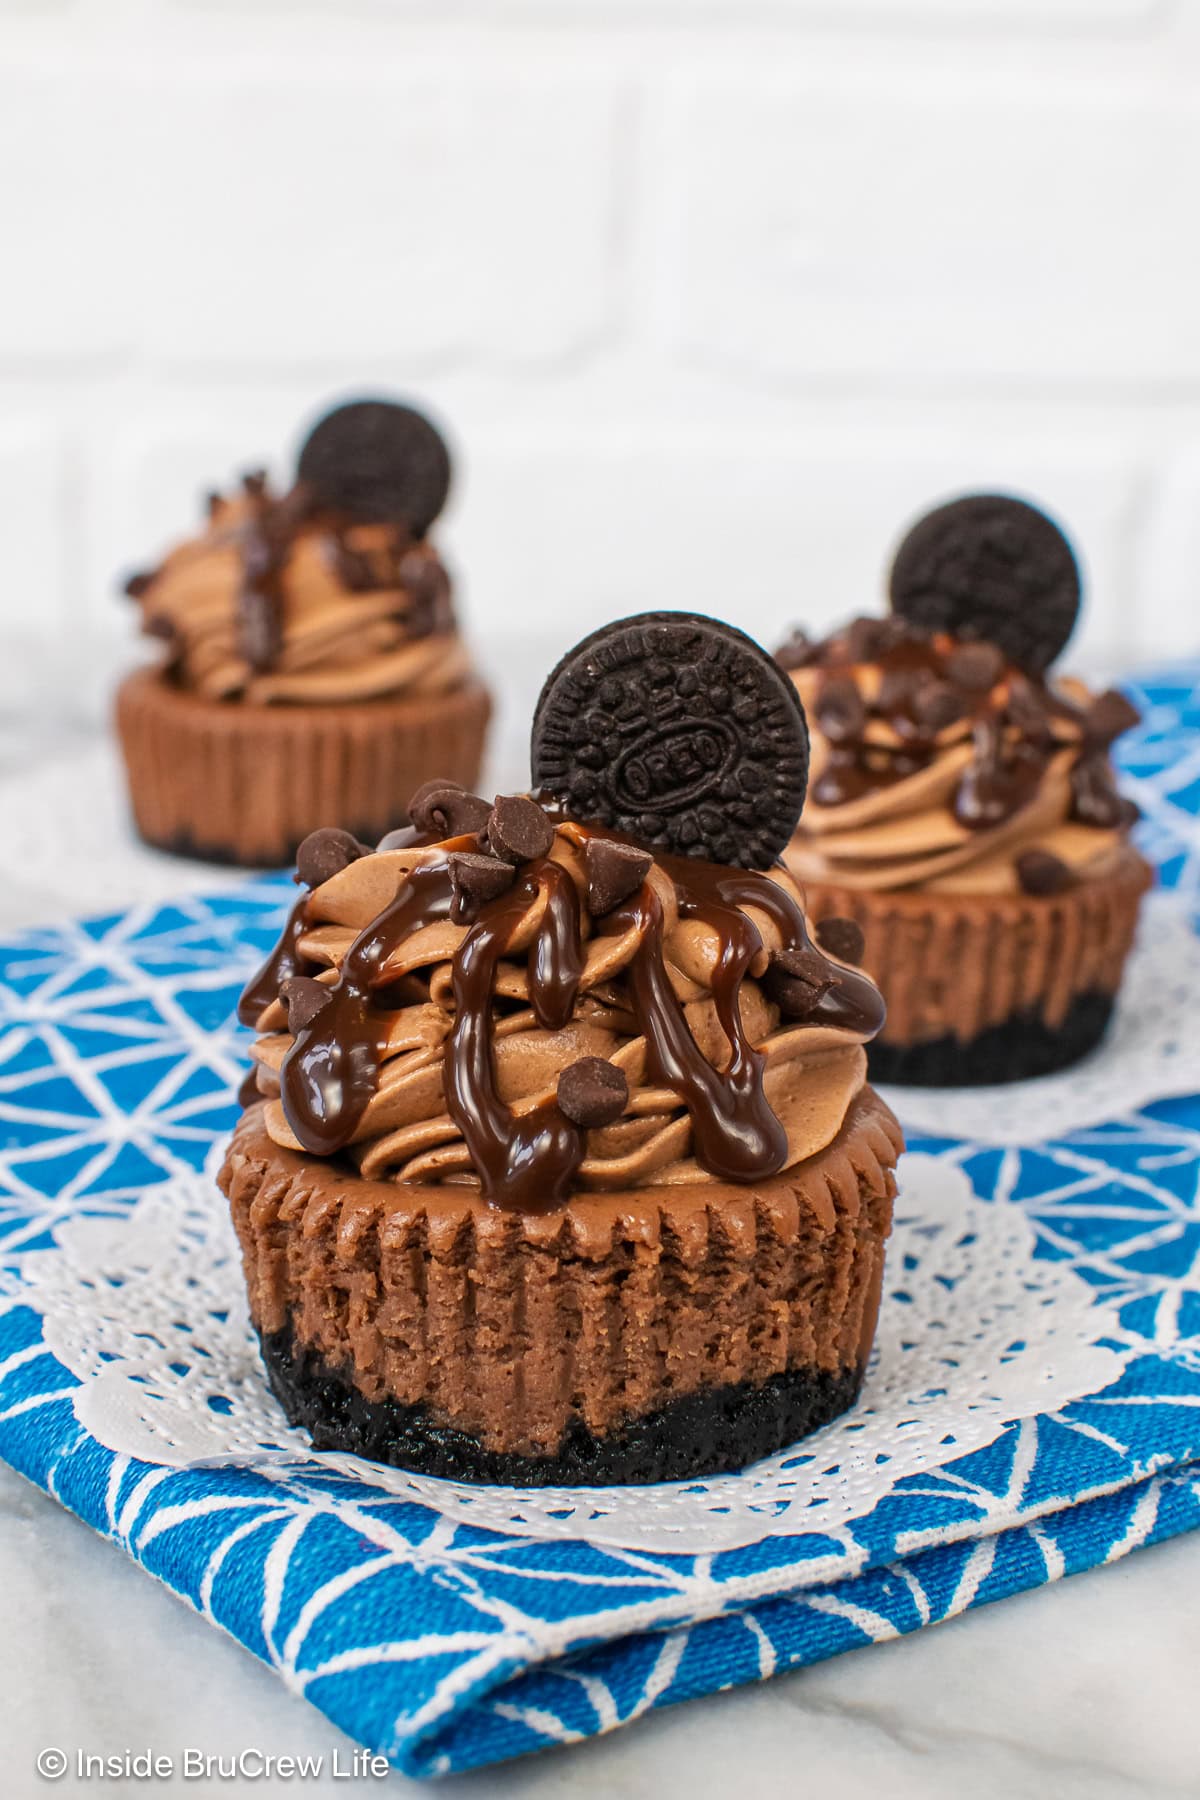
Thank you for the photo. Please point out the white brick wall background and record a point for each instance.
(712, 293)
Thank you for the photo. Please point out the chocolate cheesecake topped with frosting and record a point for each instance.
(963, 807)
(597, 1109)
(326, 596)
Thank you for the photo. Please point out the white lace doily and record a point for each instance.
(1151, 1052)
(78, 799)
(148, 1313)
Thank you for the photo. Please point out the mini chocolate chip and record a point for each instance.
(254, 481)
(518, 829)
(1109, 715)
(213, 502)
(975, 667)
(614, 872)
(474, 880)
(137, 584)
(796, 650)
(804, 963)
(840, 711)
(325, 853)
(446, 809)
(896, 691)
(865, 639)
(592, 1092)
(892, 631)
(936, 705)
(304, 999)
(842, 938)
(1040, 873)
(796, 979)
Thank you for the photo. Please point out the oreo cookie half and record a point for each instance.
(380, 461)
(991, 568)
(678, 731)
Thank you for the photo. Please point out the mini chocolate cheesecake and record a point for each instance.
(310, 668)
(963, 809)
(560, 1164)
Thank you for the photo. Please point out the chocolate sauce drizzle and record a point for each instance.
(524, 1160)
(738, 1136)
(556, 953)
(247, 1092)
(266, 546)
(284, 961)
(1012, 718)
(265, 541)
(530, 1159)
(331, 1072)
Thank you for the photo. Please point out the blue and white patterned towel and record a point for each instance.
(446, 1646)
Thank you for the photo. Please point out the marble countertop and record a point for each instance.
(1084, 1691)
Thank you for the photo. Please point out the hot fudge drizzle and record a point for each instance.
(265, 540)
(926, 684)
(530, 1159)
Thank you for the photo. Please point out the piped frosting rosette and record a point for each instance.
(326, 593)
(1012, 793)
(945, 756)
(583, 1016)
(361, 612)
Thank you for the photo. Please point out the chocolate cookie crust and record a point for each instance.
(720, 1428)
(1024, 1046)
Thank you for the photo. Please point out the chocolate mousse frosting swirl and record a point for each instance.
(505, 998)
(939, 764)
(284, 599)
